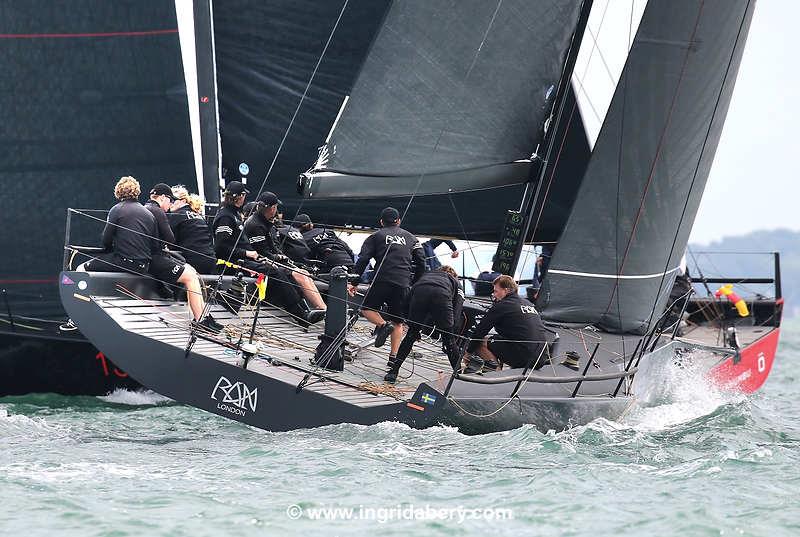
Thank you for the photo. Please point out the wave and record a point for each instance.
(121, 396)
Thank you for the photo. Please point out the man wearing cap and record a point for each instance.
(231, 244)
(324, 244)
(164, 266)
(263, 234)
(131, 235)
(394, 250)
(291, 240)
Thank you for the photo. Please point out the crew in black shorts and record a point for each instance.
(131, 235)
(520, 338)
(394, 250)
(436, 301)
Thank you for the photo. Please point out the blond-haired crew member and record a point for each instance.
(192, 233)
(130, 235)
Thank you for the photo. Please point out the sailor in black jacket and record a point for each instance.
(167, 268)
(263, 234)
(325, 246)
(129, 234)
(436, 302)
(291, 240)
(132, 233)
(520, 338)
(231, 243)
(394, 250)
(192, 234)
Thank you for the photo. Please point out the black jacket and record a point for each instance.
(263, 236)
(227, 226)
(162, 224)
(444, 284)
(324, 244)
(394, 250)
(293, 244)
(130, 231)
(191, 232)
(514, 319)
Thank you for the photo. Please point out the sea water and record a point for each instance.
(700, 462)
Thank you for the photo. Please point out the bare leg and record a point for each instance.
(485, 353)
(310, 290)
(397, 338)
(193, 291)
(374, 317)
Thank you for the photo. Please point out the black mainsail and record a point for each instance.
(91, 92)
(448, 109)
(616, 259)
(266, 53)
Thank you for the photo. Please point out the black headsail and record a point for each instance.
(615, 262)
(448, 108)
(91, 91)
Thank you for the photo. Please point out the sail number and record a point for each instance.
(509, 243)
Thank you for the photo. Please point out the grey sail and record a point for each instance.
(616, 259)
(452, 97)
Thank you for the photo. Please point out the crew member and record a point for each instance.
(436, 301)
(231, 243)
(131, 235)
(168, 269)
(429, 247)
(291, 240)
(264, 239)
(520, 338)
(394, 250)
(191, 231)
(325, 245)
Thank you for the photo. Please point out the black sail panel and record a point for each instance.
(448, 86)
(266, 53)
(90, 92)
(615, 261)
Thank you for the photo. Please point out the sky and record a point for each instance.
(753, 181)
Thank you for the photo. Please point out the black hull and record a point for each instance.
(146, 340)
(67, 366)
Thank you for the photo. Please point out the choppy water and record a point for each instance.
(137, 464)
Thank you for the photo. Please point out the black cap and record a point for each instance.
(236, 188)
(390, 215)
(268, 198)
(301, 219)
(162, 189)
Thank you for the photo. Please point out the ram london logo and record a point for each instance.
(234, 397)
(395, 239)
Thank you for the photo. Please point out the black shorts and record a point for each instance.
(515, 354)
(166, 268)
(115, 263)
(394, 296)
(431, 307)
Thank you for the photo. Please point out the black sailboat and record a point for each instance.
(454, 108)
(92, 92)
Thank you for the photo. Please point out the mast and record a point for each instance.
(531, 197)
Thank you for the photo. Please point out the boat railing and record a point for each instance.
(542, 379)
(707, 270)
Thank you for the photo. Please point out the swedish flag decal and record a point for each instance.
(428, 399)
